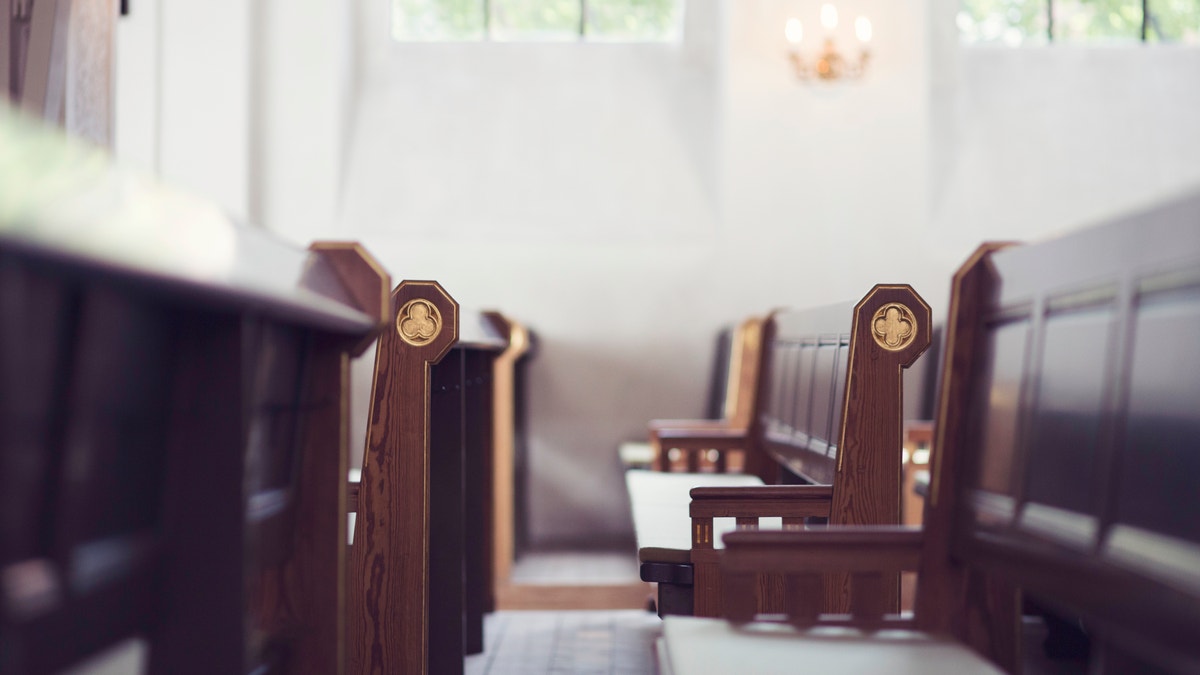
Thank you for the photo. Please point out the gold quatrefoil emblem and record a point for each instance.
(418, 322)
(894, 327)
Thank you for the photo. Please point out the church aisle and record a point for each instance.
(579, 642)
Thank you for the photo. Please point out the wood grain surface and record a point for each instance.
(388, 600)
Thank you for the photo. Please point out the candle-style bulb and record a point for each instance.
(862, 28)
(794, 31)
(829, 17)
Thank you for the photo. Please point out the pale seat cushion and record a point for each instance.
(660, 503)
(636, 454)
(355, 476)
(700, 646)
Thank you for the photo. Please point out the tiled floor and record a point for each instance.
(582, 642)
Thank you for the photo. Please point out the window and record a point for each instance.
(533, 20)
(1016, 22)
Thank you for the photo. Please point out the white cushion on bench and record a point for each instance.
(636, 454)
(699, 646)
(660, 502)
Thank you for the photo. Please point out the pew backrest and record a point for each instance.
(1065, 455)
(172, 399)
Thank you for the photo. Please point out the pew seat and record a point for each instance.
(696, 645)
(660, 503)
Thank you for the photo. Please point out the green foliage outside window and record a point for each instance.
(1015, 22)
(633, 19)
(536, 19)
(437, 20)
(1174, 21)
(1103, 20)
(448, 20)
(1011, 22)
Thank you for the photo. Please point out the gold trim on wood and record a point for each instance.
(894, 327)
(418, 322)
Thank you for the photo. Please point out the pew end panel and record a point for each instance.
(389, 600)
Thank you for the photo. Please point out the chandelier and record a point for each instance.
(829, 64)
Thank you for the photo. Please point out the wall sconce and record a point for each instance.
(829, 64)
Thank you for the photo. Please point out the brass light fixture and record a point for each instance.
(829, 63)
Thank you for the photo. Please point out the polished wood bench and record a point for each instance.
(1064, 465)
(738, 385)
(828, 413)
(173, 400)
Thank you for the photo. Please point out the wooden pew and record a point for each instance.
(172, 408)
(1064, 465)
(390, 597)
(829, 410)
(420, 561)
(502, 536)
(739, 384)
(480, 346)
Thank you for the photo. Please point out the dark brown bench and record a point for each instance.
(1064, 465)
(828, 414)
(172, 410)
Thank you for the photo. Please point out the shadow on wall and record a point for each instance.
(575, 493)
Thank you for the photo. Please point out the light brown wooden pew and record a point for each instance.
(1064, 464)
(829, 410)
(741, 388)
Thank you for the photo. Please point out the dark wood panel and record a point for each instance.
(1160, 457)
(1005, 359)
(447, 566)
(1065, 423)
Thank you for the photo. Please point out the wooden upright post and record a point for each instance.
(389, 562)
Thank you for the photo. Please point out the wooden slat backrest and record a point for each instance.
(172, 414)
(741, 382)
(1069, 469)
(669, 439)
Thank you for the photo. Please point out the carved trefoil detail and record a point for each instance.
(418, 322)
(894, 327)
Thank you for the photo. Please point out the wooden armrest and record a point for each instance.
(701, 438)
(918, 432)
(786, 501)
(659, 425)
(843, 549)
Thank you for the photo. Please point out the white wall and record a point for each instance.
(243, 103)
(183, 96)
(302, 101)
(627, 200)
(555, 182)
(1047, 139)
